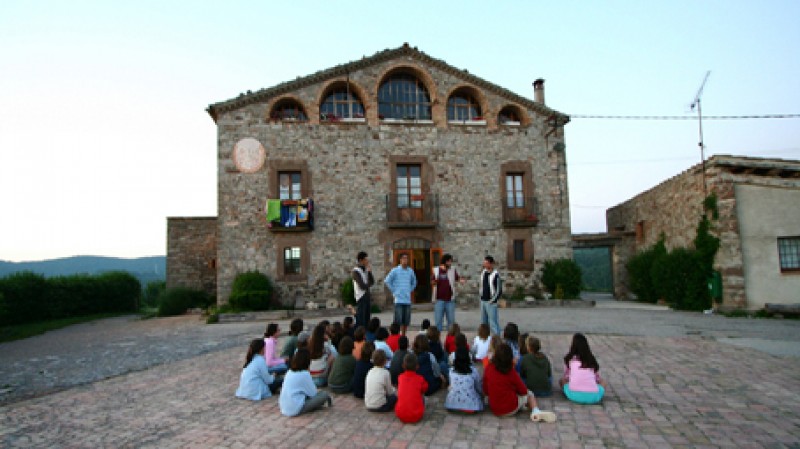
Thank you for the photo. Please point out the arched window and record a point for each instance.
(404, 97)
(462, 107)
(508, 116)
(341, 103)
(288, 109)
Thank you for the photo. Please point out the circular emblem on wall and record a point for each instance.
(249, 155)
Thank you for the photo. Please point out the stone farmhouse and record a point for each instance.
(759, 226)
(396, 153)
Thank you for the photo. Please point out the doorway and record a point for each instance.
(421, 258)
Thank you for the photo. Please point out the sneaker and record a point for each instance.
(542, 416)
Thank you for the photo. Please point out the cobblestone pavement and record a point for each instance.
(170, 383)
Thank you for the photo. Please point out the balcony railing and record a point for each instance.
(412, 211)
(521, 212)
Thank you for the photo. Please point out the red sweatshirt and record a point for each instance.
(410, 404)
(394, 342)
(502, 389)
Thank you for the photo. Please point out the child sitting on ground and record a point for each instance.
(480, 345)
(435, 347)
(494, 343)
(256, 382)
(396, 366)
(511, 337)
(363, 365)
(275, 365)
(427, 366)
(290, 345)
(506, 392)
(423, 329)
(410, 390)
(450, 339)
(299, 394)
(535, 369)
(380, 343)
(359, 338)
(394, 336)
(581, 381)
(347, 326)
(465, 393)
(322, 355)
(379, 394)
(340, 379)
(459, 343)
(372, 328)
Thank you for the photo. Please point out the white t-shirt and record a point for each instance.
(480, 347)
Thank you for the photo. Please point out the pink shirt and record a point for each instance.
(581, 379)
(269, 352)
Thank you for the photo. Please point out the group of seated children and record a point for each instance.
(390, 372)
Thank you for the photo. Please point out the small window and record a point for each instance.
(519, 250)
(640, 232)
(339, 104)
(789, 253)
(515, 196)
(404, 97)
(288, 110)
(290, 185)
(462, 108)
(409, 186)
(508, 116)
(291, 260)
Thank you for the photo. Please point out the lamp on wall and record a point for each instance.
(559, 146)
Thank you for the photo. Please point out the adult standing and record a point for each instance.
(444, 280)
(362, 281)
(401, 282)
(490, 289)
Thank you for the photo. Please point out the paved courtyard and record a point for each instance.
(678, 385)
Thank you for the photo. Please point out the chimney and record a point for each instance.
(538, 91)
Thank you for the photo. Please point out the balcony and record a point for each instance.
(291, 216)
(412, 211)
(520, 212)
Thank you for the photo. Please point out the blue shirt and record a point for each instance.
(401, 282)
(255, 380)
(297, 387)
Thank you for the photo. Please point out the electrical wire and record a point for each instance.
(684, 117)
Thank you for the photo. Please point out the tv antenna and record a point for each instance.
(696, 103)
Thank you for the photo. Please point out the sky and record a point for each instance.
(104, 134)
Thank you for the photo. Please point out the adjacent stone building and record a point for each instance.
(759, 226)
(394, 153)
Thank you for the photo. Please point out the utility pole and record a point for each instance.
(696, 102)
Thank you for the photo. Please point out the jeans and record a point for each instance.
(314, 402)
(363, 309)
(489, 316)
(278, 370)
(442, 309)
(402, 314)
(391, 400)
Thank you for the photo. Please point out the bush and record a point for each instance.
(640, 269)
(176, 301)
(679, 278)
(564, 273)
(30, 297)
(251, 291)
(348, 292)
(152, 292)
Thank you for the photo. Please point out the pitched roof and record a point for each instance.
(343, 69)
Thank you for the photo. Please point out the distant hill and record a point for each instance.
(146, 269)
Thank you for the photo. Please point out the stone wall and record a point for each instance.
(350, 171)
(192, 253)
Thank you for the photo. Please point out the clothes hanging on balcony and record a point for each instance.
(288, 216)
(273, 210)
(302, 211)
